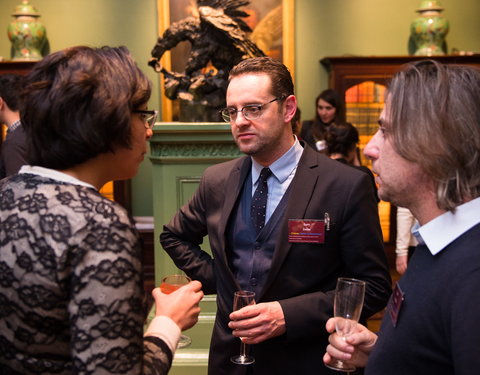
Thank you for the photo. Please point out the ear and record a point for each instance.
(290, 108)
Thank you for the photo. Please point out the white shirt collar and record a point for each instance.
(13, 126)
(53, 174)
(438, 233)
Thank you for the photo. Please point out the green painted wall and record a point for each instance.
(323, 28)
(132, 23)
(366, 27)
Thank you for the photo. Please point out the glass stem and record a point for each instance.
(243, 349)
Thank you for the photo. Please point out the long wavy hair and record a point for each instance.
(435, 117)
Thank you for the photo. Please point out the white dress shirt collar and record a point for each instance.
(438, 233)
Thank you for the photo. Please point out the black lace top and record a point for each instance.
(71, 296)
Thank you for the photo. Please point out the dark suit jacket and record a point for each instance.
(13, 152)
(302, 276)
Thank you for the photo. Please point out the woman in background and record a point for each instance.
(330, 108)
(71, 290)
(342, 140)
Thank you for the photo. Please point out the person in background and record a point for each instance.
(71, 290)
(253, 208)
(329, 108)
(13, 148)
(342, 140)
(405, 242)
(297, 122)
(427, 159)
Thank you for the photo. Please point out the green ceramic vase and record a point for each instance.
(26, 33)
(429, 30)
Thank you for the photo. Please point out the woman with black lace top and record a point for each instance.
(71, 293)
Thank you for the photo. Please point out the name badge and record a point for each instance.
(306, 231)
(395, 304)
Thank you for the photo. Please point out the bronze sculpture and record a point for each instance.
(218, 38)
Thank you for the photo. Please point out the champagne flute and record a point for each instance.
(170, 284)
(349, 296)
(241, 299)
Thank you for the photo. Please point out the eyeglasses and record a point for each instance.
(250, 111)
(148, 117)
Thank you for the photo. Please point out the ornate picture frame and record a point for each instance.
(272, 21)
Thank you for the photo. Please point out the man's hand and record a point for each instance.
(257, 323)
(353, 349)
(181, 305)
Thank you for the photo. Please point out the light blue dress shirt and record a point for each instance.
(283, 170)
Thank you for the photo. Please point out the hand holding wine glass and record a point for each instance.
(170, 284)
(241, 299)
(356, 348)
(349, 296)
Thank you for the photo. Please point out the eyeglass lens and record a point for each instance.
(250, 112)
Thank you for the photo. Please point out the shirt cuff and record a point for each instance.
(401, 252)
(165, 329)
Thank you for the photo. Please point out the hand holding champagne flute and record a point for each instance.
(349, 296)
(241, 299)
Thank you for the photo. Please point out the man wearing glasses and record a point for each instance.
(283, 221)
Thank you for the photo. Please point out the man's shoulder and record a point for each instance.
(318, 163)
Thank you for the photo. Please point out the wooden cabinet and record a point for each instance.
(15, 67)
(347, 71)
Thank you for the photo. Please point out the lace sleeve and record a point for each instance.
(157, 357)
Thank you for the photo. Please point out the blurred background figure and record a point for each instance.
(13, 148)
(405, 242)
(330, 107)
(71, 287)
(297, 123)
(341, 144)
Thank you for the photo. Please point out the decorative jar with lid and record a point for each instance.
(27, 33)
(428, 31)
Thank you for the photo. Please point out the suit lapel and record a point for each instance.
(233, 187)
(301, 190)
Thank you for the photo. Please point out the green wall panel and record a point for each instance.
(180, 152)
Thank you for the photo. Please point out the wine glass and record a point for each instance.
(347, 307)
(241, 299)
(170, 284)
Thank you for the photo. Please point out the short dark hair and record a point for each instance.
(341, 138)
(435, 122)
(282, 83)
(10, 86)
(77, 104)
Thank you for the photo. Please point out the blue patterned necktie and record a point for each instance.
(259, 200)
